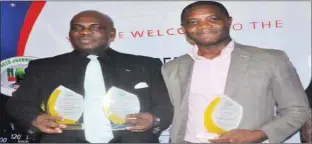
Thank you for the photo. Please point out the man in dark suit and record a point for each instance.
(91, 33)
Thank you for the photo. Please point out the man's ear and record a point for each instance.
(230, 21)
(112, 35)
(190, 41)
(183, 29)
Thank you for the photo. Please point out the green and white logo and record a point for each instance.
(12, 73)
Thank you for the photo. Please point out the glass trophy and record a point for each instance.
(221, 115)
(117, 104)
(68, 104)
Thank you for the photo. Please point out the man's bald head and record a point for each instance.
(91, 31)
(93, 13)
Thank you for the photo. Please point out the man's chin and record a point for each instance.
(85, 48)
(90, 50)
(210, 42)
(207, 43)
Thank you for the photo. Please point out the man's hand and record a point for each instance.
(306, 132)
(143, 121)
(47, 124)
(241, 136)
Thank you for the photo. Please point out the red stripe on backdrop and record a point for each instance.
(29, 21)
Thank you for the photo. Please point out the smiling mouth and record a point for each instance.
(205, 34)
(208, 33)
(85, 41)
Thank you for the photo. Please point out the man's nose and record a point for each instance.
(204, 25)
(85, 31)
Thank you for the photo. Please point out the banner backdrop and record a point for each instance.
(151, 28)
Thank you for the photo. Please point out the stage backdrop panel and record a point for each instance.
(152, 28)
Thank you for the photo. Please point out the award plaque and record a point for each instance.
(68, 104)
(117, 104)
(221, 115)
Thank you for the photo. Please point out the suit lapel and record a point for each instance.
(185, 70)
(109, 74)
(111, 66)
(238, 65)
(72, 73)
(185, 74)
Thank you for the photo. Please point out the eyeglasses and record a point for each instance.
(91, 28)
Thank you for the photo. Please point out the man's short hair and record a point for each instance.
(201, 3)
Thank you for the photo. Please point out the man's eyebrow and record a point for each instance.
(77, 24)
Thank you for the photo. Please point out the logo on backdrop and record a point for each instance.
(12, 73)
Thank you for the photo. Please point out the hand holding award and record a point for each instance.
(221, 115)
(117, 105)
(67, 104)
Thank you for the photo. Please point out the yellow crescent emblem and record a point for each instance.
(208, 122)
(51, 108)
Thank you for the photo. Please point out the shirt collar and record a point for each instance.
(105, 54)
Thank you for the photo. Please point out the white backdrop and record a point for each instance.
(152, 29)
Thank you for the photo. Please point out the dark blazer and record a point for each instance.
(121, 70)
(309, 93)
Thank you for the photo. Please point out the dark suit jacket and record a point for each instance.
(44, 75)
(309, 93)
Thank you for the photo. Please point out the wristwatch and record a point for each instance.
(156, 128)
(156, 122)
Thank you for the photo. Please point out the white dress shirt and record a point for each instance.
(208, 80)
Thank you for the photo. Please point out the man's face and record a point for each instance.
(206, 25)
(90, 31)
